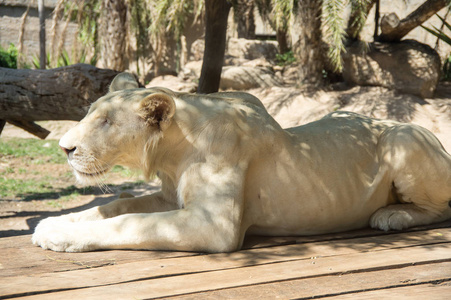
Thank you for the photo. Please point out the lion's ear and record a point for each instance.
(123, 81)
(157, 110)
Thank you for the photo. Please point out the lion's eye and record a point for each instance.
(106, 121)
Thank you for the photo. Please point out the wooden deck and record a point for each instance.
(364, 264)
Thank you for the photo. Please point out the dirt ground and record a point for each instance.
(20, 214)
(289, 107)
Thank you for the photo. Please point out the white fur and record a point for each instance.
(228, 169)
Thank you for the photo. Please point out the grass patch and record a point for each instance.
(12, 186)
(124, 172)
(28, 190)
(33, 169)
(62, 199)
(131, 185)
(285, 59)
(21, 178)
(38, 150)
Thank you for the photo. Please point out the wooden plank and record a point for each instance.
(327, 286)
(24, 279)
(261, 242)
(435, 291)
(205, 281)
(20, 257)
(24, 241)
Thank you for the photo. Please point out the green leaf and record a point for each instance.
(438, 33)
(444, 22)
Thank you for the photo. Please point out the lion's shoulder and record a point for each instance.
(231, 123)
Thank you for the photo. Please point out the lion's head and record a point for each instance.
(119, 128)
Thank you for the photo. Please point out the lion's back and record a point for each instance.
(339, 131)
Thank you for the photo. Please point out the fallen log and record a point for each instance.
(64, 93)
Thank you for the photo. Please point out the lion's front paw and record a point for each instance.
(58, 235)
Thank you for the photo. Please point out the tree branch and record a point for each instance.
(394, 29)
(31, 127)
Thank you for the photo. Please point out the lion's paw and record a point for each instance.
(58, 235)
(388, 218)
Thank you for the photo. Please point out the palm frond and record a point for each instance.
(438, 33)
(282, 11)
(359, 12)
(444, 21)
(334, 28)
(177, 16)
(158, 9)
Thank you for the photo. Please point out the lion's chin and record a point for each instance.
(89, 178)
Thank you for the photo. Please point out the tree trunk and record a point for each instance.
(354, 24)
(113, 33)
(244, 16)
(308, 48)
(42, 54)
(56, 94)
(216, 14)
(394, 29)
(376, 19)
(282, 41)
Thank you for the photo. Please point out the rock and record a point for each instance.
(197, 50)
(192, 69)
(259, 62)
(244, 78)
(173, 83)
(407, 66)
(240, 49)
(290, 75)
(234, 61)
(251, 49)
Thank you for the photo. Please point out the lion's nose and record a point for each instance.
(68, 151)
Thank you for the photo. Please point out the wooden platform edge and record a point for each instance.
(154, 268)
(331, 286)
(294, 269)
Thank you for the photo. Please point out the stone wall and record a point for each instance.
(11, 12)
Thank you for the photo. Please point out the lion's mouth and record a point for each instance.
(94, 174)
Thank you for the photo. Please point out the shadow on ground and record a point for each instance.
(12, 219)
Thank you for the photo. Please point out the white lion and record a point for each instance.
(228, 169)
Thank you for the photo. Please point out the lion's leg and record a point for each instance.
(184, 229)
(126, 204)
(211, 220)
(402, 216)
(144, 204)
(421, 171)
